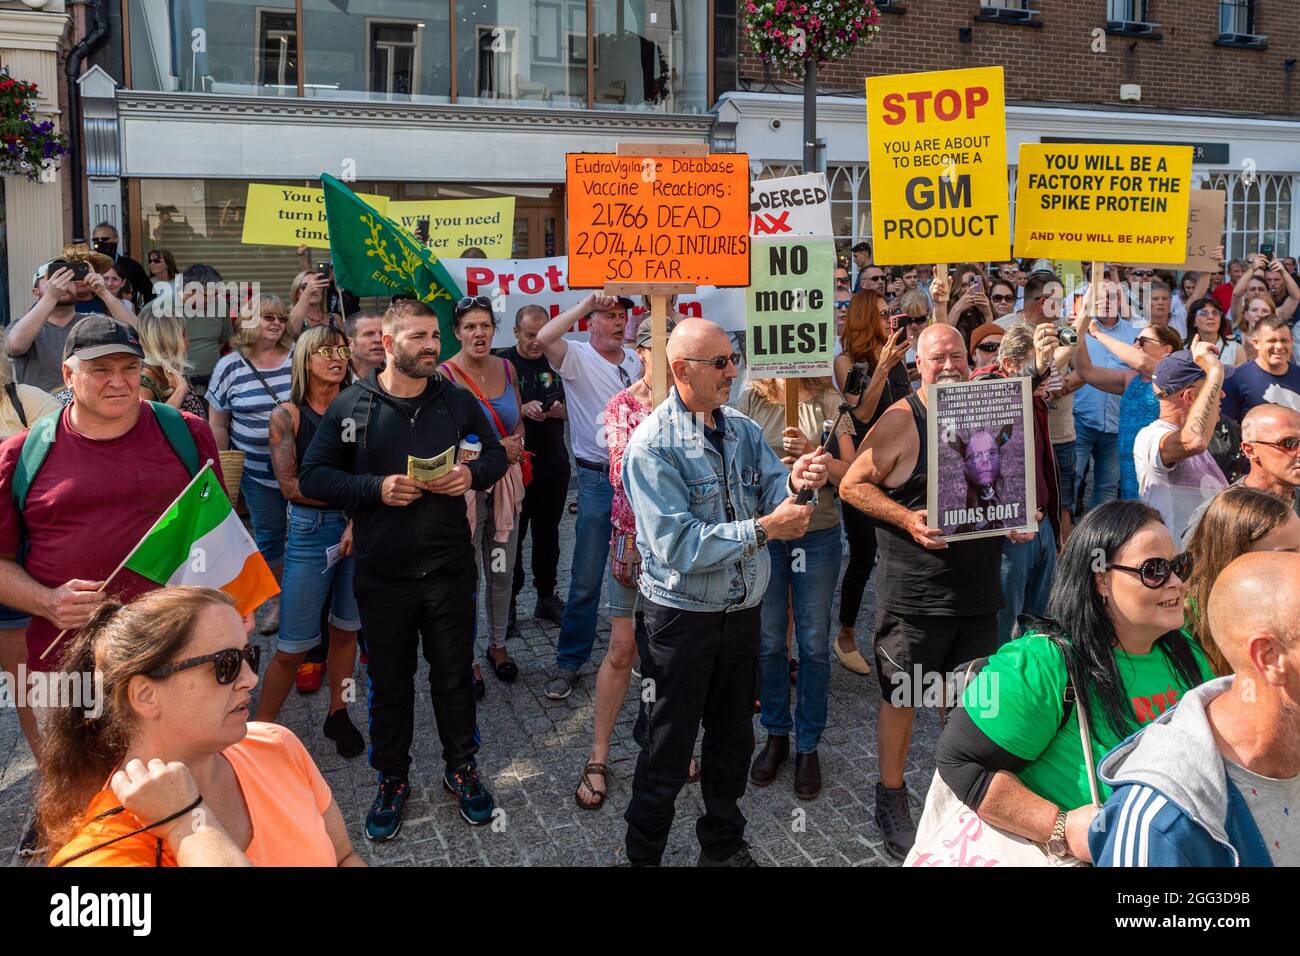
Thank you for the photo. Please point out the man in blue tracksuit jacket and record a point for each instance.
(1216, 780)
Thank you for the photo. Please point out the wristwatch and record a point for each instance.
(1056, 844)
(760, 534)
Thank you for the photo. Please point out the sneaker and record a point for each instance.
(340, 729)
(476, 804)
(741, 857)
(561, 685)
(309, 677)
(895, 820)
(549, 608)
(385, 816)
(271, 623)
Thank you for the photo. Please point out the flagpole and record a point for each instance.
(136, 547)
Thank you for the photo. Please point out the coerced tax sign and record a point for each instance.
(644, 219)
(938, 166)
(790, 309)
(1103, 202)
(790, 206)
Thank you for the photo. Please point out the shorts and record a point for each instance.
(622, 599)
(912, 647)
(12, 619)
(307, 585)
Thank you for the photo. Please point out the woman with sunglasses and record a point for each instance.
(1138, 404)
(1002, 296)
(1237, 521)
(1209, 323)
(869, 341)
(246, 385)
(1113, 636)
(308, 302)
(171, 772)
(495, 517)
(320, 371)
(162, 266)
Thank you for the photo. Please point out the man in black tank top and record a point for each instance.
(937, 602)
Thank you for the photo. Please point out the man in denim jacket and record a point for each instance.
(708, 494)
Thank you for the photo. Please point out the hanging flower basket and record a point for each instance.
(26, 140)
(788, 33)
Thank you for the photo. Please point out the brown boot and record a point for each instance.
(807, 776)
(768, 763)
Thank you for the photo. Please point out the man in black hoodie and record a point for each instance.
(416, 575)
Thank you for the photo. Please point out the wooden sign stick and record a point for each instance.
(659, 347)
(791, 403)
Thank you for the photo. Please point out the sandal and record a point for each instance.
(506, 670)
(585, 781)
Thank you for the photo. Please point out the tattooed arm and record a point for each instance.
(1202, 417)
(284, 454)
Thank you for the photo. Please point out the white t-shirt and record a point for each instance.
(590, 381)
(1175, 492)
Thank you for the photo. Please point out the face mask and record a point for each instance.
(107, 247)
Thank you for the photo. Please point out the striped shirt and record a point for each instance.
(236, 390)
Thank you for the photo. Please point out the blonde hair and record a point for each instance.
(772, 390)
(163, 339)
(6, 368)
(250, 317)
(295, 290)
(310, 340)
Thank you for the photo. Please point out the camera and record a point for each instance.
(774, 124)
(1068, 337)
(80, 268)
(856, 379)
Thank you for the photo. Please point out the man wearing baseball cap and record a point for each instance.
(1176, 472)
(110, 470)
(592, 372)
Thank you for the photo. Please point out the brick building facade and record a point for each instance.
(1216, 73)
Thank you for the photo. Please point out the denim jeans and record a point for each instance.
(498, 571)
(590, 555)
(1027, 571)
(269, 516)
(810, 567)
(1102, 448)
(1064, 452)
(306, 584)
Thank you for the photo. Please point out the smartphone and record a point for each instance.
(422, 230)
(977, 285)
(324, 269)
(1267, 251)
(896, 321)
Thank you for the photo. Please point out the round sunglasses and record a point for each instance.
(1155, 572)
(227, 661)
(332, 351)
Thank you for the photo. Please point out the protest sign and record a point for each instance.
(277, 215)
(980, 458)
(790, 206)
(937, 147)
(790, 309)
(513, 283)
(1206, 212)
(450, 226)
(1103, 202)
(640, 220)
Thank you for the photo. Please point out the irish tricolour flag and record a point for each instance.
(200, 540)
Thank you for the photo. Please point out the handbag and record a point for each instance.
(526, 464)
(625, 559)
(952, 834)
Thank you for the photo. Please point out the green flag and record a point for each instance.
(375, 256)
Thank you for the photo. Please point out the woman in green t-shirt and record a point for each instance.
(1013, 750)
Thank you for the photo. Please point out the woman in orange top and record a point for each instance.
(190, 782)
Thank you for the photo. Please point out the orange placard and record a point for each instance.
(667, 219)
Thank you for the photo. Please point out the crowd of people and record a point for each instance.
(1164, 566)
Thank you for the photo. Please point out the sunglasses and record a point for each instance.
(841, 306)
(333, 351)
(718, 361)
(1146, 340)
(274, 317)
(1155, 572)
(228, 663)
(154, 260)
(473, 302)
(987, 347)
(1142, 273)
(1003, 298)
(1288, 445)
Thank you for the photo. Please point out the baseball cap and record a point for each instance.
(981, 332)
(645, 335)
(98, 335)
(625, 303)
(1177, 372)
(43, 268)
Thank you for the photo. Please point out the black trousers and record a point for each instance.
(697, 667)
(861, 531)
(543, 508)
(436, 615)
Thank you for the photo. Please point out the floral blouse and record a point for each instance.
(622, 415)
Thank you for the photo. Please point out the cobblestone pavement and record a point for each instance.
(533, 750)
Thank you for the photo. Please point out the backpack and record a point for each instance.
(41, 436)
